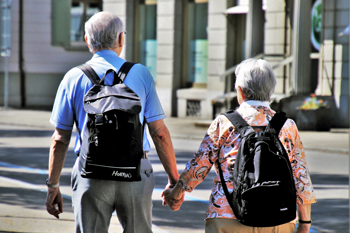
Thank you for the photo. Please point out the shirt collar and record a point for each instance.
(105, 52)
(254, 103)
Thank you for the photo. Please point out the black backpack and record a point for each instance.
(264, 191)
(112, 147)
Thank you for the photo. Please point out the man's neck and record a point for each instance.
(114, 50)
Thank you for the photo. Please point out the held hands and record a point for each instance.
(53, 198)
(174, 197)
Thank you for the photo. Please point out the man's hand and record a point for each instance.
(171, 198)
(174, 196)
(58, 150)
(54, 198)
(168, 186)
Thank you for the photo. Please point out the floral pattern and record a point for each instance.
(221, 143)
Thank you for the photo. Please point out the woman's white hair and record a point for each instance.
(102, 31)
(256, 78)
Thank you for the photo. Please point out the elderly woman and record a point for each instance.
(255, 83)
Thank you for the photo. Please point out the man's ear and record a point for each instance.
(121, 39)
(86, 40)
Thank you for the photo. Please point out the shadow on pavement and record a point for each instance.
(190, 215)
(25, 133)
(11, 232)
(336, 217)
(330, 214)
(331, 179)
(36, 158)
(28, 198)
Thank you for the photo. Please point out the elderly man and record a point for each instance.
(255, 83)
(95, 200)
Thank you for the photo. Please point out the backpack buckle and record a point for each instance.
(95, 139)
(99, 119)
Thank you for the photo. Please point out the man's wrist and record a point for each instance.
(170, 185)
(173, 180)
(52, 186)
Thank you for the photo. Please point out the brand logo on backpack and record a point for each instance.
(122, 174)
(263, 185)
(266, 184)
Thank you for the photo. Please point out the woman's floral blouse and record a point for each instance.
(221, 143)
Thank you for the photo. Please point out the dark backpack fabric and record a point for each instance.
(264, 191)
(112, 145)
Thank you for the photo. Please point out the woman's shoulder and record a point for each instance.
(221, 125)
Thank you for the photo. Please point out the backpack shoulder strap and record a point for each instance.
(276, 123)
(224, 186)
(90, 73)
(237, 120)
(123, 71)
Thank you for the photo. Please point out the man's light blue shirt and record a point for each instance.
(69, 102)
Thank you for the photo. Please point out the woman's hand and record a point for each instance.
(174, 197)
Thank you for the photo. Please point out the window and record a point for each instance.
(68, 19)
(193, 108)
(148, 36)
(198, 43)
(80, 12)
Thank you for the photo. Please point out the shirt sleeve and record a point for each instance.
(153, 109)
(141, 82)
(199, 166)
(290, 139)
(62, 115)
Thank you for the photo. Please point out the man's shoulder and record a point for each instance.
(72, 76)
(140, 69)
(140, 73)
(74, 72)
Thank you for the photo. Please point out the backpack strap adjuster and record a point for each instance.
(99, 119)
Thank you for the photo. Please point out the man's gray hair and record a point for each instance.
(102, 31)
(256, 78)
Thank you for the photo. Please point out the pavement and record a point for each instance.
(336, 140)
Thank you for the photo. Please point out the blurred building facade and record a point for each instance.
(191, 48)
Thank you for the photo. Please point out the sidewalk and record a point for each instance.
(336, 140)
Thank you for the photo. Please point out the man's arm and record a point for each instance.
(304, 213)
(165, 150)
(58, 150)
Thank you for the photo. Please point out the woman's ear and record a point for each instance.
(240, 95)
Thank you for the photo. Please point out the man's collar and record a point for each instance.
(255, 103)
(105, 52)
